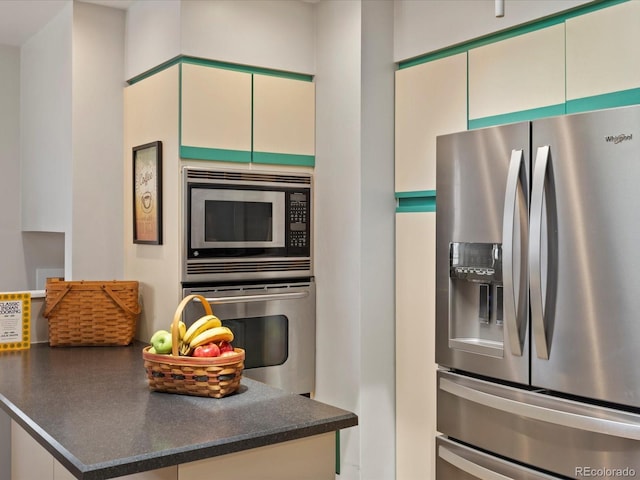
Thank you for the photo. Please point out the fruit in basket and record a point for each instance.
(202, 324)
(225, 346)
(182, 329)
(161, 341)
(208, 350)
(212, 335)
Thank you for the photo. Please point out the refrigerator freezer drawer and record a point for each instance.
(550, 433)
(455, 461)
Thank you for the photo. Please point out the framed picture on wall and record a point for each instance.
(147, 193)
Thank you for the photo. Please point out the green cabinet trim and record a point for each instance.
(608, 100)
(419, 201)
(217, 64)
(509, 33)
(524, 115)
(284, 159)
(219, 154)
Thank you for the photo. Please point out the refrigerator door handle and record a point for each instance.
(469, 467)
(535, 253)
(615, 428)
(514, 313)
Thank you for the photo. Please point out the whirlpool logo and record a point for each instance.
(623, 137)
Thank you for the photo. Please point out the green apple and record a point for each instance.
(161, 341)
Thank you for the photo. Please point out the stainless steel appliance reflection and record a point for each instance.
(275, 324)
(537, 299)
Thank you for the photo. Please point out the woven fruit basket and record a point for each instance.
(214, 377)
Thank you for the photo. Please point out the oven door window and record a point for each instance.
(265, 340)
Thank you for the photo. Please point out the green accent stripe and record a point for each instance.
(154, 70)
(508, 33)
(200, 153)
(524, 115)
(180, 105)
(608, 100)
(284, 159)
(214, 63)
(418, 201)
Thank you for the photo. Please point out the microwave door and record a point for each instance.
(225, 219)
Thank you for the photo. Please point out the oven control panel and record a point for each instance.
(299, 214)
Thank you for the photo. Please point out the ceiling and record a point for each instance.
(20, 19)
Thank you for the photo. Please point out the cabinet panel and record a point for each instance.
(29, 460)
(431, 100)
(603, 51)
(415, 345)
(310, 458)
(215, 112)
(283, 116)
(520, 73)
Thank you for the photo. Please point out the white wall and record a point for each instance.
(426, 26)
(12, 274)
(95, 237)
(337, 230)
(355, 208)
(45, 126)
(277, 34)
(377, 219)
(152, 35)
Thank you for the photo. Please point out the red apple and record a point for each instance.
(225, 346)
(208, 350)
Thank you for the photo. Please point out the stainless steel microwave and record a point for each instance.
(246, 225)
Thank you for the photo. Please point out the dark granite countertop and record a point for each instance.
(91, 408)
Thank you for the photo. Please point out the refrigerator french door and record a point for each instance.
(538, 294)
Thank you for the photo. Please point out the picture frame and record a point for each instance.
(147, 193)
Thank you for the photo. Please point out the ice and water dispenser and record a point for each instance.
(475, 297)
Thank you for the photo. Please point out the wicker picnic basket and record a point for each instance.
(198, 376)
(91, 313)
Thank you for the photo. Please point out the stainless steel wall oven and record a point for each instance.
(247, 249)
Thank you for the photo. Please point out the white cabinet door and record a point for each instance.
(603, 51)
(431, 100)
(215, 113)
(415, 345)
(283, 119)
(310, 458)
(29, 460)
(517, 74)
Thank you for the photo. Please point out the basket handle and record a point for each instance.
(50, 308)
(120, 303)
(176, 319)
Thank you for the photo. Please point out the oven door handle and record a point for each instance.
(257, 298)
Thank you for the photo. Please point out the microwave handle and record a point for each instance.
(256, 298)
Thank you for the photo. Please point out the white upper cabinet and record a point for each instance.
(216, 113)
(603, 51)
(517, 74)
(283, 116)
(431, 100)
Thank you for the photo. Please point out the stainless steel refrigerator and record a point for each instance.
(538, 299)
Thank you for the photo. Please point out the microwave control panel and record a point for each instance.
(298, 214)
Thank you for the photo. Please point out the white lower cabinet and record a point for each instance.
(310, 458)
(415, 345)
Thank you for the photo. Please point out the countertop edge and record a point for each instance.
(240, 444)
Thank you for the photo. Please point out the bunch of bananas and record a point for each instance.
(207, 329)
